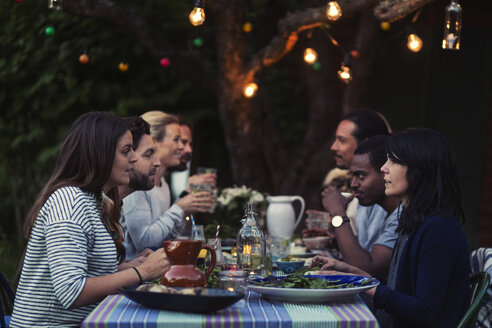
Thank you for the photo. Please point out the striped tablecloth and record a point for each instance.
(251, 312)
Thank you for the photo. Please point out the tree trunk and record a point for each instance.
(238, 114)
(312, 161)
(356, 94)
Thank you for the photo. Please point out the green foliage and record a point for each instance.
(10, 256)
(43, 87)
(213, 278)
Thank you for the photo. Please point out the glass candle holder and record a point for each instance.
(234, 281)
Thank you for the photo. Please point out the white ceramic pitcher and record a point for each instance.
(281, 219)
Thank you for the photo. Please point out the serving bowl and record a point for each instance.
(290, 266)
(316, 243)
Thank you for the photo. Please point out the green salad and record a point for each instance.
(298, 280)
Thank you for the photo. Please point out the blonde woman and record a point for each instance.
(147, 216)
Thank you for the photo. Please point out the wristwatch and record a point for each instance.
(338, 220)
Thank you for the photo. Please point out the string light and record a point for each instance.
(310, 56)
(247, 27)
(55, 4)
(197, 15)
(123, 66)
(414, 42)
(50, 30)
(344, 73)
(333, 11)
(84, 58)
(198, 42)
(354, 53)
(452, 26)
(250, 89)
(165, 62)
(316, 66)
(385, 26)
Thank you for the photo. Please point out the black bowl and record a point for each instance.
(214, 300)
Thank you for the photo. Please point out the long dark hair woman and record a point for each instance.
(72, 253)
(428, 280)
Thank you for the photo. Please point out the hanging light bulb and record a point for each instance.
(123, 66)
(250, 89)
(197, 15)
(50, 30)
(247, 27)
(84, 58)
(333, 11)
(55, 4)
(344, 73)
(452, 26)
(414, 42)
(310, 56)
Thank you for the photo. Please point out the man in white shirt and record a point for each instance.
(180, 180)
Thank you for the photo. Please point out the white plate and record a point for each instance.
(302, 295)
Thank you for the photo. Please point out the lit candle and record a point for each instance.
(233, 281)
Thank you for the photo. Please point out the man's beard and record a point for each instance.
(140, 181)
(341, 166)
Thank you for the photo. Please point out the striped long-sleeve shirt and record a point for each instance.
(68, 244)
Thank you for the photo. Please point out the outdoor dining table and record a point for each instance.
(253, 311)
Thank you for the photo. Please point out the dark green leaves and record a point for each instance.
(298, 280)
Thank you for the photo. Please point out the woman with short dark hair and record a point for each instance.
(428, 280)
(72, 257)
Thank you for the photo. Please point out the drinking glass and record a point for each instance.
(279, 247)
(204, 170)
(205, 187)
(200, 187)
(230, 261)
(219, 263)
(197, 233)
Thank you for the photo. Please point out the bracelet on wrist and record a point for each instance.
(139, 275)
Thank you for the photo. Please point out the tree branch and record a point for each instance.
(145, 35)
(391, 11)
(294, 23)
